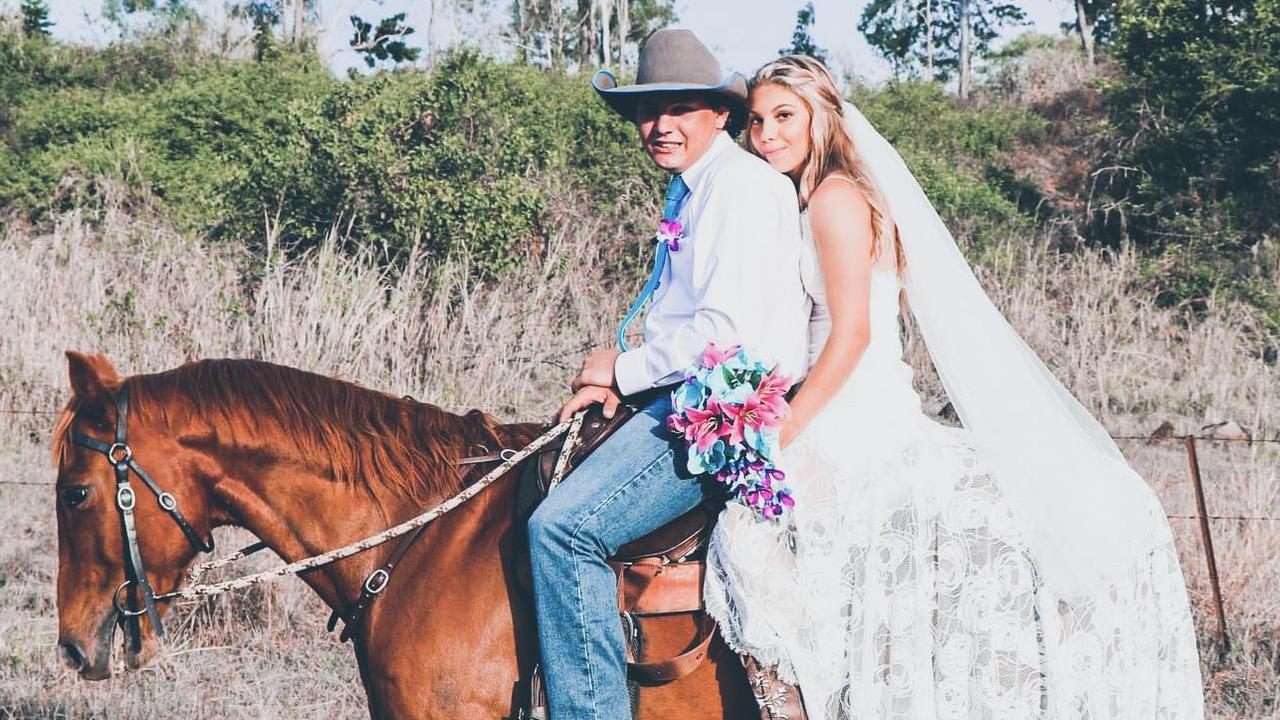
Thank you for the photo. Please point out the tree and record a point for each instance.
(1095, 20)
(167, 16)
(965, 11)
(1198, 115)
(386, 42)
(294, 18)
(289, 20)
(897, 33)
(262, 16)
(801, 41)
(35, 18)
(940, 37)
(624, 26)
(433, 32)
(588, 30)
(581, 33)
(642, 18)
(606, 12)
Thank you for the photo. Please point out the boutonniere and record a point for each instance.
(670, 233)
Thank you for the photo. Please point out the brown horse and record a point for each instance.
(308, 463)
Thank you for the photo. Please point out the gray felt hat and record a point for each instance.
(675, 61)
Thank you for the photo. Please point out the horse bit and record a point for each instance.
(120, 455)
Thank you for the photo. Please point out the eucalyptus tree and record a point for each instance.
(1094, 22)
(383, 42)
(567, 34)
(936, 38)
(802, 42)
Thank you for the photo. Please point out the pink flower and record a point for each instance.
(713, 355)
(772, 393)
(705, 427)
(752, 413)
(677, 423)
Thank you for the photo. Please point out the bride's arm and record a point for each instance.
(840, 218)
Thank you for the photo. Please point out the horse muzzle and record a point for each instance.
(91, 657)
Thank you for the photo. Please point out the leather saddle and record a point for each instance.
(659, 577)
(659, 574)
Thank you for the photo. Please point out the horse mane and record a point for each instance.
(367, 437)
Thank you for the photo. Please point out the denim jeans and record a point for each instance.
(627, 488)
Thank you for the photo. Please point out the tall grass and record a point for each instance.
(124, 282)
(127, 284)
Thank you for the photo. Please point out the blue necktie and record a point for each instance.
(677, 191)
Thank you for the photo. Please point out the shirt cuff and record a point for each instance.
(629, 372)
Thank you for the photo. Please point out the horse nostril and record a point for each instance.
(73, 655)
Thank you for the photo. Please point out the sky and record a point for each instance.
(744, 34)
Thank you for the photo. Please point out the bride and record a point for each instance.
(1015, 568)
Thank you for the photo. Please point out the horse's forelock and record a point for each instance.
(62, 429)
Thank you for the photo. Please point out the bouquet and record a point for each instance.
(729, 410)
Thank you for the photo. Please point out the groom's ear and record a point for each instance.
(723, 114)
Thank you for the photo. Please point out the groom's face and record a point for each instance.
(677, 128)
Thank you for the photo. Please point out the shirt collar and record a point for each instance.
(695, 172)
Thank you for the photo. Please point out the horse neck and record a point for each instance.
(298, 510)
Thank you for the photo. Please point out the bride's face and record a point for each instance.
(779, 125)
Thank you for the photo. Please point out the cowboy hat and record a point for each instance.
(674, 61)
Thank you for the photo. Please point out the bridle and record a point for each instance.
(128, 607)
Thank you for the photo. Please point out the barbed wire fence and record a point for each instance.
(1201, 515)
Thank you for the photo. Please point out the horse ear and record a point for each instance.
(91, 375)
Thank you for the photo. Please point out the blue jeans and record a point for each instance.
(629, 487)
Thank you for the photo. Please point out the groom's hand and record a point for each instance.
(597, 369)
(587, 396)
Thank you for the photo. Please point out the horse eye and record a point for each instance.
(73, 496)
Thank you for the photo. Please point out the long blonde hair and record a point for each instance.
(831, 150)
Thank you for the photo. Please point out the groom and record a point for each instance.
(730, 275)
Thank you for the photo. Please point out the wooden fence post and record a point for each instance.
(1207, 540)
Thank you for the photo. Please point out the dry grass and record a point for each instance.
(128, 285)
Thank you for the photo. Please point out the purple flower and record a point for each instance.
(670, 232)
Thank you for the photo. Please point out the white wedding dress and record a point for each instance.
(901, 587)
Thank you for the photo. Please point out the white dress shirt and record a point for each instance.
(735, 279)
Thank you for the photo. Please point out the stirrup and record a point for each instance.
(777, 700)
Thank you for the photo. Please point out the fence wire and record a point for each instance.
(1143, 438)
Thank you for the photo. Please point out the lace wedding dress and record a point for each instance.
(902, 589)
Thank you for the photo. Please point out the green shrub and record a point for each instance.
(958, 153)
(469, 159)
(1195, 120)
(186, 137)
(1198, 110)
(462, 160)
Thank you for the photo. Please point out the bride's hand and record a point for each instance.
(787, 435)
